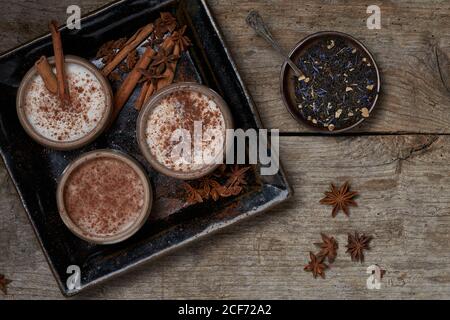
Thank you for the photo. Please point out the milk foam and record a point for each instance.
(172, 114)
(64, 124)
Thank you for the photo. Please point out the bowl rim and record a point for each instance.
(65, 145)
(284, 71)
(149, 107)
(89, 156)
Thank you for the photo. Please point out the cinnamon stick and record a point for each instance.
(150, 91)
(141, 99)
(63, 88)
(130, 82)
(129, 46)
(46, 72)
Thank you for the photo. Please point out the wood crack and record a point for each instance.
(442, 63)
(421, 149)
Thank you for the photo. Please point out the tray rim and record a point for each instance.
(283, 196)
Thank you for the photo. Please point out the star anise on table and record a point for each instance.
(316, 266)
(357, 243)
(340, 199)
(328, 248)
(4, 284)
(163, 60)
(180, 39)
(193, 195)
(166, 23)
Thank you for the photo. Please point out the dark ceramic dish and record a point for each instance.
(287, 78)
(35, 170)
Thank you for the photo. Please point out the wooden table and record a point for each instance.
(398, 161)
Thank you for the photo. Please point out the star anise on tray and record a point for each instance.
(166, 23)
(328, 248)
(4, 284)
(114, 76)
(163, 60)
(193, 195)
(109, 49)
(132, 59)
(180, 39)
(237, 176)
(340, 199)
(316, 266)
(210, 187)
(151, 75)
(357, 243)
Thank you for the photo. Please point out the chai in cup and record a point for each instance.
(104, 197)
(180, 117)
(65, 126)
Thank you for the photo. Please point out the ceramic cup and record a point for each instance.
(67, 129)
(155, 102)
(68, 188)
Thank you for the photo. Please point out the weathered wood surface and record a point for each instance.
(414, 98)
(404, 180)
(404, 183)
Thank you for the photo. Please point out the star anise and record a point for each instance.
(193, 195)
(151, 75)
(132, 59)
(114, 76)
(328, 248)
(217, 190)
(166, 23)
(205, 187)
(316, 266)
(180, 39)
(237, 176)
(163, 60)
(356, 246)
(109, 49)
(340, 199)
(4, 284)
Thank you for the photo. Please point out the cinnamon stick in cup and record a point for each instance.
(129, 46)
(45, 71)
(130, 82)
(63, 88)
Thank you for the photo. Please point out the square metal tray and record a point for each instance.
(35, 169)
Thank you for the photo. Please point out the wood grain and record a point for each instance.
(413, 98)
(404, 179)
(404, 182)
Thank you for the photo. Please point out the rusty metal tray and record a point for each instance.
(35, 169)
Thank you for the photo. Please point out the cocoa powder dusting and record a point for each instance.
(104, 196)
(66, 122)
(180, 110)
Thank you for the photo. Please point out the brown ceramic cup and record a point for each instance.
(154, 102)
(100, 126)
(137, 223)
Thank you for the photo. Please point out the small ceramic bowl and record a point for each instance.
(101, 125)
(153, 103)
(123, 234)
(288, 84)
